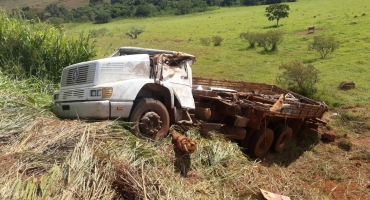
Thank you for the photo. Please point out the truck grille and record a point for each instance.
(73, 94)
(78, 75)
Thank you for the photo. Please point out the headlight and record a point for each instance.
(107, 92)
(102, 92)
(93, 93)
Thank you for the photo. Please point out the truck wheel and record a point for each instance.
(283, 134)
(261, 142)
(152, 117)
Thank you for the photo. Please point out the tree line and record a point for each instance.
(100, 12)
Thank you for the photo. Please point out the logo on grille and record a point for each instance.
(75, 75)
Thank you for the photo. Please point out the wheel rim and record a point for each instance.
(263, 143)
(282, 140)
(150, 124)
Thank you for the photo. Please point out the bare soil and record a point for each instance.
(305, 32)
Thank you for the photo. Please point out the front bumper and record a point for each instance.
(92, 109)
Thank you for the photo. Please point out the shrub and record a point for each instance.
(98, 32)
(56, 21)
(345, 144)
(299, 77)
(324, 45)
(134, 32)
(205, 41)
(270, 39)
(217, 40)
(38, 49)
(274, 38)
(251, 37)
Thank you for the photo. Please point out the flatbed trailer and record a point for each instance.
(259, 116)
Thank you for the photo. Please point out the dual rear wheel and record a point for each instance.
(283, 134)
(264, 139)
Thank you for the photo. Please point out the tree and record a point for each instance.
(324, 44)
(277, 11)
(248, 2)
(144, 10)
(183, 7)
(102, 17)
(95, 1)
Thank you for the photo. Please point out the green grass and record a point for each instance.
(14, 4)
(35, 49)
(22, 101)
(233, 60)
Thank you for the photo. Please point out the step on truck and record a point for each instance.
(155, 88)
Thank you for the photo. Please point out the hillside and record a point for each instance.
(233, 60)
(11, 4)
(43, 157)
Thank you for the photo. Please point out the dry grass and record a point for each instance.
(42, 157)
(56, 159)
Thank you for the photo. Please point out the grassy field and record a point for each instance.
(13, 4)
(42, 157)
(232, 60)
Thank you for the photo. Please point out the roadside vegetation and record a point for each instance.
(43, 157)
(30, 49)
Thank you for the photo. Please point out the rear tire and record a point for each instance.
(261, 142)
(152, 119)
(283, 134)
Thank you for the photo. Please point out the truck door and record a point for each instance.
(180, 78)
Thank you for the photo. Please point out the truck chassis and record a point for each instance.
(260, 116)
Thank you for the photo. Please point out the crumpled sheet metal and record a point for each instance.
(172, 59)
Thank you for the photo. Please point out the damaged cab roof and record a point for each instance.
(151, 52)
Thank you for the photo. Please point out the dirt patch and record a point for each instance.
(305, 32)
(361, 141)
(339, 191)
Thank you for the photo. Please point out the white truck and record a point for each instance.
(155, 88)
(147, 85)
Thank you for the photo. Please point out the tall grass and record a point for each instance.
(22, 100)
(29, 48)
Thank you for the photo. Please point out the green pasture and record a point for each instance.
(18, 4)
(233, 60)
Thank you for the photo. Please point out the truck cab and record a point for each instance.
(150, 87)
